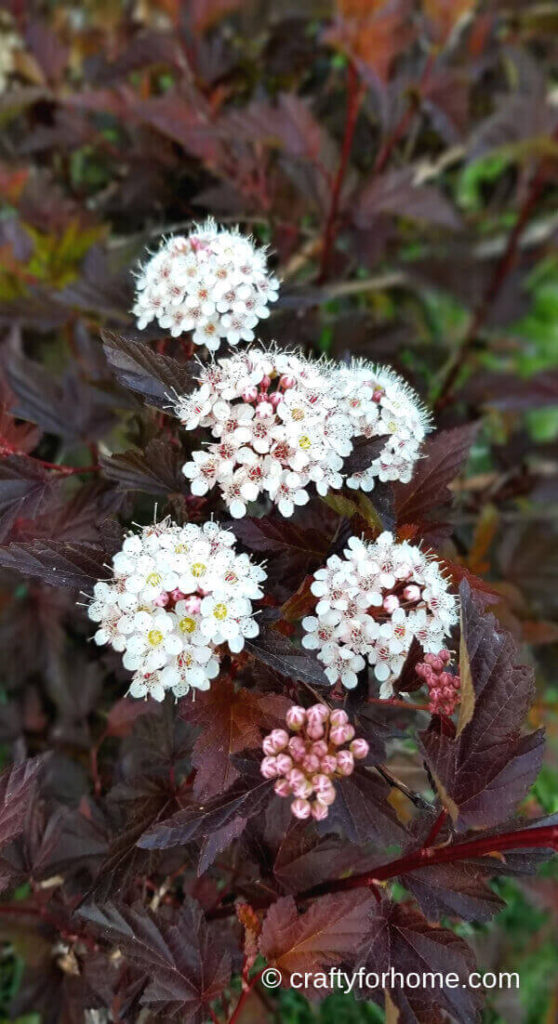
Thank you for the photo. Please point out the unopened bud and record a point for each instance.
(295, 717)
(301, 808)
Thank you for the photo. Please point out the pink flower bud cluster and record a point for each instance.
(306, 763)
(443, 686)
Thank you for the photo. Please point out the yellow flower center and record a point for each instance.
(187, 625)
(155, 637)
(198, 569)
(180, 549)
(220, 611)
(305, 442)
(297, 414)
(154, 579)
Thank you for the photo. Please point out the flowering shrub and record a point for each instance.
(277, 551)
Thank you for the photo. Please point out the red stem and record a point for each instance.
(393, 702)
(404, 121)
(354, 94)
(246, 989)
(499, 277)
(67, 470)
(534, 838)
(523, 839)
(434, 831)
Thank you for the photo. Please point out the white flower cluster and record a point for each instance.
(284, 422)
(371, 604)
(278, 426)
(178, 594)
(381, 404)
(212, 282)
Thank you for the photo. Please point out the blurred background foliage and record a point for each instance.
(401, 160)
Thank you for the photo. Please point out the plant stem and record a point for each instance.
(247, 987)
(67, 470)
(404, 122)
(499, 277)
(538, 838)
(354, 95)
(435, 830)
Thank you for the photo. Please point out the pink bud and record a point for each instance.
(349, 733)
(328, 764)
(377, 395)
(284, 764)
(161, 600)
(456, 682)
(319, 748)
(303, 789)
(275, 399)
(321, 782)
(282, 788)
(250, 394)
(430, 659)
(359, 748)
(412, 593)
(311, 763)
(264, 409)
(391, 603)
(314, 730)
(301, 808)
(319, 712)
(295, 717)
(287, 381)
(337, 735)
(326, 796)
(276, 741)
(339, 717)
(435, 693)
(280, 737)
(297, 748)
(268, 767)
(345, 762)
(296, 777)
(445, 655)
(265, 382)
(319, 811)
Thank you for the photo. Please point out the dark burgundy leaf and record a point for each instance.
(280, 653)
(401, 939)
(187, 966)
(25, 488)
(247, 796)
(444, 455)
(157, 470)
(361, 811)
(396, 193)
(58, 563)
(231, 721)
(141, 369)
(326, 934)
(17, 787)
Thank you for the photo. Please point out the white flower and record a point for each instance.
(277, 420)
(292, 422)
(379, 403)
(177, 596)
(371, 604)
(213, 282)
